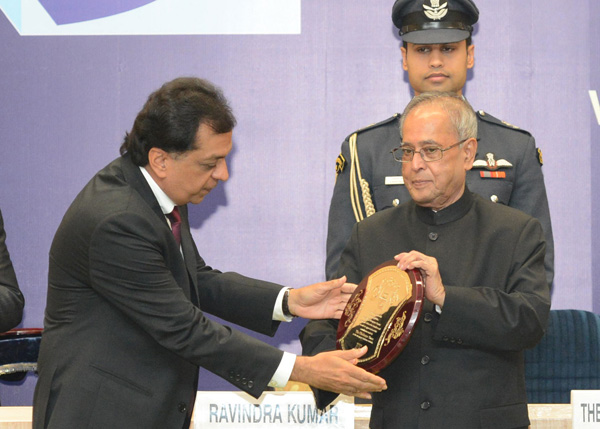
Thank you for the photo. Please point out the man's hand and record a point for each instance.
(434, 288)
(336, 371)
(325, 300)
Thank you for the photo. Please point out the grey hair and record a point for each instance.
(459, 110)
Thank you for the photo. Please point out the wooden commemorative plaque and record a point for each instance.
(381, 314)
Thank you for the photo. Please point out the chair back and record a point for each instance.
(19, 350)
(567, 358)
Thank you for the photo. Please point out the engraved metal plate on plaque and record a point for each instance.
(381, 314)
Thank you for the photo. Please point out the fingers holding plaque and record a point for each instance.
(381, 314)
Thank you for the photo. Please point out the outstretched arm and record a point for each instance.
(336, 371)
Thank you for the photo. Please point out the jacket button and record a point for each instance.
(428, 317)
(182, 407)
(425, 360)
(250, 384)
(494, 198)
(396, 202)
(433, 236)
(445, 338)
(459, 341)
(231, 374)
(425, 405)
(244, 381)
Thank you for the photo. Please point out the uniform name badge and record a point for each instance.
(381, 314)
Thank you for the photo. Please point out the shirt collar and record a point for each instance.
(166, 204)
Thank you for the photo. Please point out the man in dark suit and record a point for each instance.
(125, 330)
(436, 54)
(11, 298)
(486, 295)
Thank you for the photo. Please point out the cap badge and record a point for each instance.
(435, 11)
(491, 163)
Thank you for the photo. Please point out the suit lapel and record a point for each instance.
(187, 245)
(135, 178)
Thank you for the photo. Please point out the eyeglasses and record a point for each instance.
(429, 154)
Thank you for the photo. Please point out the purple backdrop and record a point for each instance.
(67, 102)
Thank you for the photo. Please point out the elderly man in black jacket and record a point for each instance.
(486, 295)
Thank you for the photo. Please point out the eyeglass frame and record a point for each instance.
(420, 152)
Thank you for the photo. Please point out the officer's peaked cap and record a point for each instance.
(434, 21)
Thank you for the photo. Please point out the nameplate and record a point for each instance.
(280, 410)
(394, 180)
(586, 408)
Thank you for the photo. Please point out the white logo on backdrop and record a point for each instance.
(152, 17)
(435, 11)
(595, 104)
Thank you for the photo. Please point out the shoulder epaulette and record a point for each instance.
(378, 124)
(484, 116)
(492, 120)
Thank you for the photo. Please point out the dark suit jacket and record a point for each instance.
(523, 187)
(11, 299)
(122, 339)
(462, 368)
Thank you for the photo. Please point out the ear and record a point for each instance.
(469, 150)
(404, 63)
(157, 162)
(470, 56)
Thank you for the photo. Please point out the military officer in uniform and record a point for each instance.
(436, 53)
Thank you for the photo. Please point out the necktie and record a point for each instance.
(175, 219)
